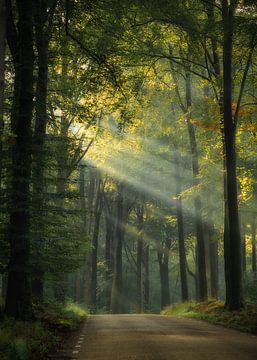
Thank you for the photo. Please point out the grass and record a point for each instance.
(21, 340)
(61, 317)
(215, 313)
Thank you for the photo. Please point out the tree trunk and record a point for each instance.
(243, 248)
(201, 282)
(163, 259)
(91, 193)
(109, 227)
(220, 82)
(116, 296)
(60, 286)
(18, 298)
(180, 224)
(97, 217)
(253, 228)
(2, 75)
(108, 243)
(82, 198)
(232, 250)
(91, 189)
(201, 266)
(140, 224)
(2, 88)
(42, 43)
(146, 280)
(214, 258)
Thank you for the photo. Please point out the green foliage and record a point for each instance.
(33, 340)
(23, 340)
(63, 317)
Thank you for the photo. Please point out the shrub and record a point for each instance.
(21, 340)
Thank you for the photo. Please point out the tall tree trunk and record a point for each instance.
(180, 224)
(60, 287)
(79, 275)
(91, 194)
(18, 297)
(220, 95)
(232, 249)
(82, 198)
(108, 243)
(147, 278)
(91, 190)
(2, 87)
(97, 217)
(2, 75)
(243, 227)
(42, 36)
(163, 259)
(109, 227)
(140, 224)
(116, 296)
(253, 228)
(214, 258)
(201, 266)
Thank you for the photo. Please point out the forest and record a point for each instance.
(128, 161)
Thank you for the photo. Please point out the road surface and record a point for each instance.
(154, 337)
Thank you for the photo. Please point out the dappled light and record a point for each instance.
(128, 178)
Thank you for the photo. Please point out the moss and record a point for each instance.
(215, 313)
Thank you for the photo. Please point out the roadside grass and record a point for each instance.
(214, 312)
(23, 340)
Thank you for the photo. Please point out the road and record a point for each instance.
(154, 337)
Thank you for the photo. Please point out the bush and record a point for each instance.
(62, 317)
(21, 340)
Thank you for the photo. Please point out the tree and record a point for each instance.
(20, 41)
(2, 75)
(180, 225)
(43, 18)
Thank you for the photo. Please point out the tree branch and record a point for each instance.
(247, 66)
(213, 4)
(11, 32)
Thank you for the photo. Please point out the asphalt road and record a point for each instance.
(154, 337)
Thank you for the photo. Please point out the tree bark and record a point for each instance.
(42, 37)
(253, 228)
(147, 278)
(201, 266)
(109, 228)
(2, 75)
(214, 259)
(97, 217)
(243, 227)
(60, 286)
(232, 249)
(116, 296)
(18, 298)
(163, 259)
(91, 190)
(140, 224)
(180, 225)
(2, 88)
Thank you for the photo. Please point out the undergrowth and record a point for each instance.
(215, 313)
(20, 340)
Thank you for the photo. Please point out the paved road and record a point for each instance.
(154, 337)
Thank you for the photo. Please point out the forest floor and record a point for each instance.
(156, 337)
(213, 311)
